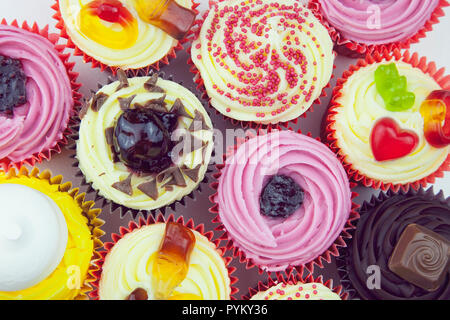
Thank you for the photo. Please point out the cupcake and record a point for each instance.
(47, 242)
(283, 200)
(122, 34)
(296, 288)
(400, 248)
(37, 95)
(386, 121)
(361, 27)
(144, 142)
(262, 61)
(164, 259)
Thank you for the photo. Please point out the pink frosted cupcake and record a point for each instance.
(363, 26)
(283, 199)
(37, 95)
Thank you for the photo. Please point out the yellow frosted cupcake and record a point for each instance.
(48, 241)
(144, 142)
(164, 260)
(121, 34)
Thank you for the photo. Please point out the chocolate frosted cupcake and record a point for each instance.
(401, 247)
(262, 61)
(37, 95)
(283, 199)
(144, 142)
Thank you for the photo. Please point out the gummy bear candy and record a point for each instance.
(435, 111)
(393, 88)
(109, 23)
(167, 15)
(172, 262)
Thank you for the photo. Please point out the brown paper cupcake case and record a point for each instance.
(293, 278)
(241, 256)
(341, 261)
(159, 218)
(5, 163)
(328, 133)
(109, 204)
(243, 124)
(354, 49)
(97, 64)
(88, 211)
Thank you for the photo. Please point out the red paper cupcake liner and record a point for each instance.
(161, 219)
(333, 251)
(243, 124)
(88, 211)
(354, 49)
(329, 134)
(110, 204)
(294, 279)
(5, 163)
(172, 54)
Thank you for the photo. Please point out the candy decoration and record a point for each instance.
(167, 15)
(393, 88)
(435, 110)
(172, 263)
(389, 142)
(124, 32)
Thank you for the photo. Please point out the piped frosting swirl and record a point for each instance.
(274, 243)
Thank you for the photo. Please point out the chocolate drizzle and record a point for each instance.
(173, 175)
(382, 222)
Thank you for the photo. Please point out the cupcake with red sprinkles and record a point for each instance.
(262, 61)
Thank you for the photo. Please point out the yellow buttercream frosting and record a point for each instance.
(129, 265)
(361, 106)
(300, 291)
(67, 279)
(264, 61)
(96, 160)
(152, 44)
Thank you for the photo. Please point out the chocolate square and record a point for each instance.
(421, 257)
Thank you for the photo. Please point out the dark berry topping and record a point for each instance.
(142, 139)
(281, 197)
(12, 85)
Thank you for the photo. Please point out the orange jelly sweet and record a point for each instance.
(109, 23)
(167, 15)
(172, 262)
(435, 111)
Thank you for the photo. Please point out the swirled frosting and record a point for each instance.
(152, 43)
(361, 106)
(378, 22)
(262, 60)
(38, 124)
(378, 232)
(34, 231)
(42, 257)
(96, 160)
(274, 243)
(129, 264)
(299, 291)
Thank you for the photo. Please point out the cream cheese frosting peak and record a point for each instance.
(33, 237)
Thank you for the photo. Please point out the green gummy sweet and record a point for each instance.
(393, 88)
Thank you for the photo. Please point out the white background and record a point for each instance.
(436, 47)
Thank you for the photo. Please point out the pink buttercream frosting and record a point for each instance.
(275, 244)
(399, 19)
(38, 124)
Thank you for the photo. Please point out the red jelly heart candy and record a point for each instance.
(390, 142)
